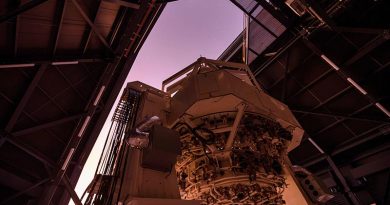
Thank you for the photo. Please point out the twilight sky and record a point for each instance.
(186, 30)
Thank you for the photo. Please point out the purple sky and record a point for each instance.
(186, 30)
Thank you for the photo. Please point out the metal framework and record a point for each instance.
(97, 105)
(88, 33)
(92, 25)
(343, 117)
(61, 5)
(11, 133)
(16, 33)
(28, 190)
(337, 172)
(46, 125)
(249, 13)
(326, 108)
(31, 151)
(41, 70)
(23, 8)
(320, 77)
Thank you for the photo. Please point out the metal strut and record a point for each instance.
(103, 188)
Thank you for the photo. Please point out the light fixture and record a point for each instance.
(334, 66)
(17, 65)
(70, 154)
(99, 95)
(383, 109)
(86, 121)
(316, 145)
(357, 86)
(65, 63)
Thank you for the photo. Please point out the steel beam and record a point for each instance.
(16, 36)
(11, 123)
(177, 75)
(122, 13)
(49, 131)
(360, 30)
(292, 70)
(337, 172)
(319, 158)
(25, 7)
(351, 195)
(32, 152)
(304, 88)
(73, 181)
(360, 139)
(236, 123)
(124, 64)
(15, 32)
(88, 32)
(316, 9)
(321, 77)
(275, 13)
(124, 3)
(81, 96)
(356, 141)
(46, 125)
(313, 160)
(2, 140)
(265, 65)
(61, 7)
(371, 167)
(253, 51)
(345, 77)
(16, 182)
(378, 149)
(286, 77)
(342, 120)
(74, 142)
(52, 100)
(63, 61)
(365, 49)
(253, 18)
(72, 193)
(31, 190)
(313, 95)
(387, 190)
(341, 92)
(3, 137)
(92, 25)
(345, 117)
(86, 77)
(357, 48)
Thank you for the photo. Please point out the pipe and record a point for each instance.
(147, 125)
(139, 138)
